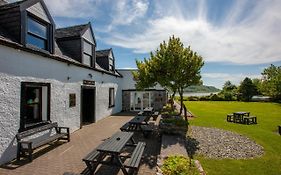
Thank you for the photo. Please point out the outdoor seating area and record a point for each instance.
(241, 117)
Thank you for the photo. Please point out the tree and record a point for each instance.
(247, 89)
(271, 82)
(173, 66)
(258, 84)
(229, 91)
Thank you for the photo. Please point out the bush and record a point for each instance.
(193, 98)
(176, 121)
(178, 165)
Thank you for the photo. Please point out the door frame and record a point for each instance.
(81, 103)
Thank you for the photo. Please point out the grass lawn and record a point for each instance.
(213, 114)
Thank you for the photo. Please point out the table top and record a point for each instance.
(138, 120)
(148, 109)
(116, 142)
(241, 112)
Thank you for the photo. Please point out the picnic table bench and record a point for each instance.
(279, 128)
(250, 120)
(26, 145)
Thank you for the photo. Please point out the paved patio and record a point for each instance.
(67, 157)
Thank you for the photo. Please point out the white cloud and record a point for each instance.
(127, 11)
(243, 38)
(74, 8)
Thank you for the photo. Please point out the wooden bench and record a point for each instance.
(250, 120)
(27, 145)
(92, 160)
(134, 161)
(279, 128)
(230, 117)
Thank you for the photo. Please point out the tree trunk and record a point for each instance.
(185, 112)
(172, 100)
(181, 99)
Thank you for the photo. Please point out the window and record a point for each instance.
(37, 33)
(111, 97)
(87, 53)
(111, 65)
(35, 105)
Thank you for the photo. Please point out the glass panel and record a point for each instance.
(37, 28)
(146, 100)
(88, 48)
(87, 59)
(138, 101)
(35, 41)
(33, 105)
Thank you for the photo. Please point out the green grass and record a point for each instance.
(213, 114)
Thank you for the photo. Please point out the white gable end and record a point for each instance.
(88, 36)
(38, 11)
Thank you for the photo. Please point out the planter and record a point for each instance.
(172, 127)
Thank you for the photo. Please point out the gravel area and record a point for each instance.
(218, 144)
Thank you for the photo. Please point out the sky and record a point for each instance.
(236, 38)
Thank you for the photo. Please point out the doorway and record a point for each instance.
(88, 100)
(140, 100)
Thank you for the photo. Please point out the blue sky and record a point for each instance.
(237, 38)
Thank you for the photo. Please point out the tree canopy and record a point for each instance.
(271, 82)
(172, 65)
(247, 89)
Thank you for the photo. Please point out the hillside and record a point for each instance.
(201, 88)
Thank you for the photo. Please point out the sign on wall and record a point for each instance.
(72, 100)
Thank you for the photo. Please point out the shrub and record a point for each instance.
(193, 98)
(176, 121)
(178, 165)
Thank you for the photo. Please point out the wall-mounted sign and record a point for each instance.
(89, 82)
(72, 100)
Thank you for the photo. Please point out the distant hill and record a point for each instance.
(201, 88)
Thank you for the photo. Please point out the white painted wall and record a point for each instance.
(129, 83)
(17, 66)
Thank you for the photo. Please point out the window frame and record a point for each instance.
(111, 97)
(48, 40)
(84, 52)
(23, 121)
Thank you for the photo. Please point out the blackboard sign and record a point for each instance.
(72, 100)
(88, 82)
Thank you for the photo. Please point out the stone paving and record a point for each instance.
(67, 157)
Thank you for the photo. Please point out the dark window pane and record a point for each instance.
(37, 28)
(35, 41)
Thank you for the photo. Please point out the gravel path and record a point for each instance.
(218, 143)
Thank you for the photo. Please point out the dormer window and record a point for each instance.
(87, 53)
(37, 33)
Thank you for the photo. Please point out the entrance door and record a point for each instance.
(88, 105)
(140, 100)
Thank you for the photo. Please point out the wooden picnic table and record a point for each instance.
(113, 147)
(138, 124)
(239, 116)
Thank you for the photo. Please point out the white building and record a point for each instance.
(49, 74)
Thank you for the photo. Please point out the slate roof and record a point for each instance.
(72, 31)
(103, 53)
(5, 5)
